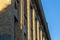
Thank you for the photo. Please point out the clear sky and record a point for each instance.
(52, 14)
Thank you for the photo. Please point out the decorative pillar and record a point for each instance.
(21, 14)
(41, 33)
(44, 35)
(21, 18)
(43, 38)
(33, 19)
(28, 20)
(37, 29)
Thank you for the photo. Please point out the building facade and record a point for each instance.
(23, 20)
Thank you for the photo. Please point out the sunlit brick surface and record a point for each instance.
(4, 4)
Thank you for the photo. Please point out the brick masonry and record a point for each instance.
(5, 21)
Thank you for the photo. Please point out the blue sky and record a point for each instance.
(52, 14)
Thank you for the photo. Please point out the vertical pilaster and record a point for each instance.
(41, 34)
(22, 13)
(33, 19)
(44, 35)
(37, 29)
(21, 18)
(28, 19)
(43, 38)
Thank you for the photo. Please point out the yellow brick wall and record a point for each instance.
(4, 4)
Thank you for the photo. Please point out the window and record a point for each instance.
(16, 4)
(15, 19)
(25, 34)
